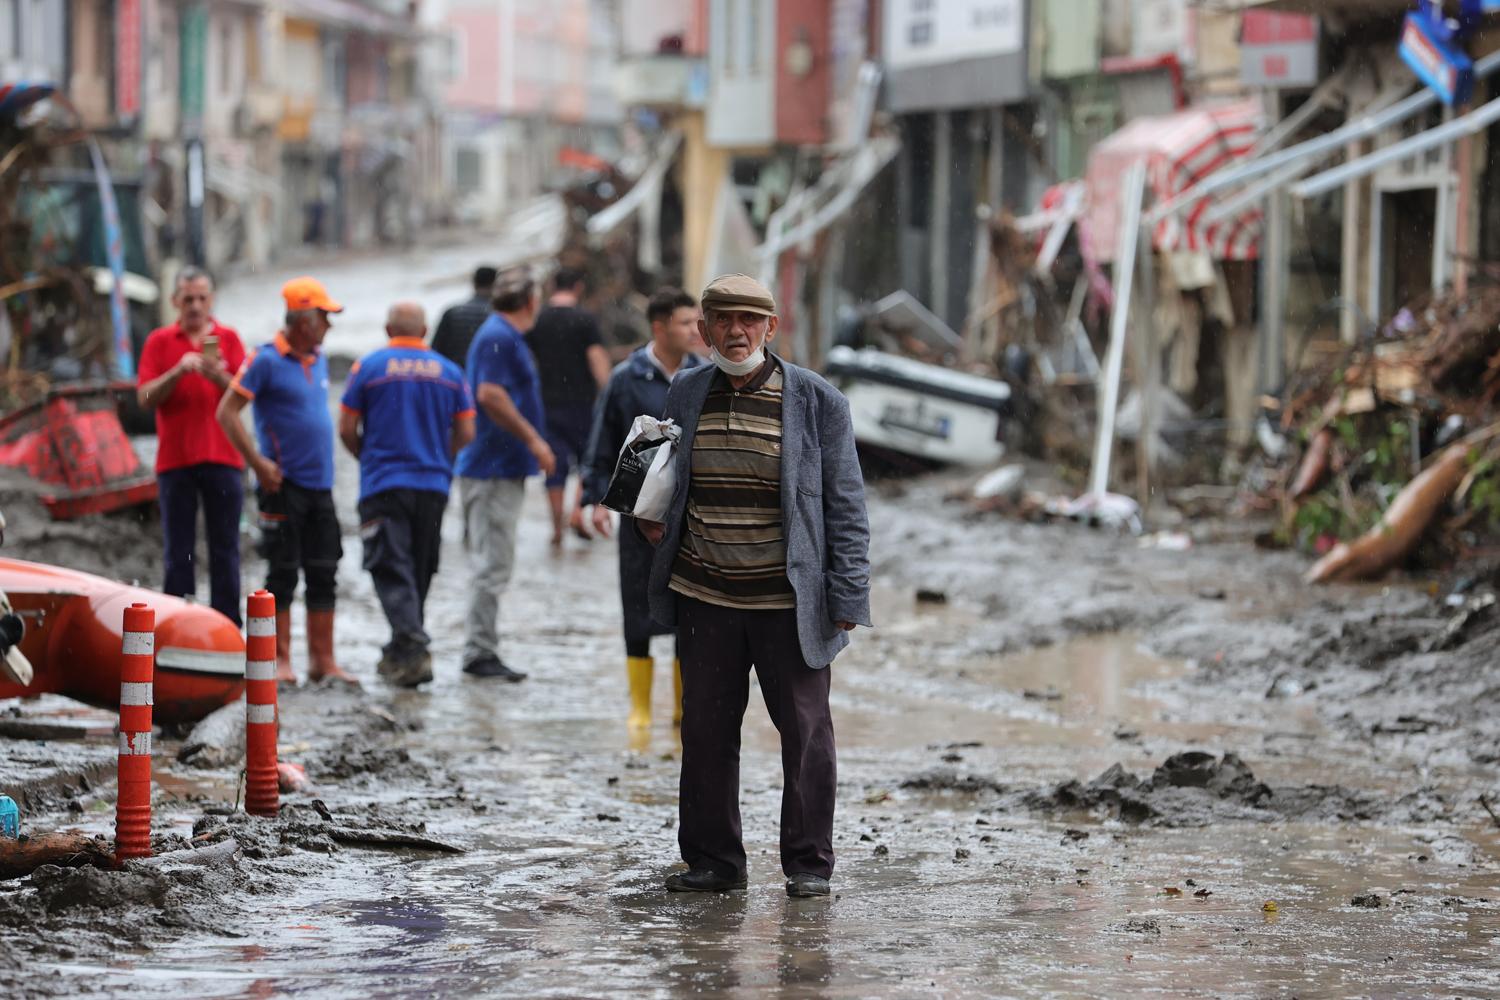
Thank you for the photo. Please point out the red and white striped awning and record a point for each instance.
(1180, 150)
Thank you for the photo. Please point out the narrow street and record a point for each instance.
(968, 865)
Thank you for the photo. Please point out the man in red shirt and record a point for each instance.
(184, 370)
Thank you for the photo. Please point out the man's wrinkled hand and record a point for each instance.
(652, 531)
(603, 523)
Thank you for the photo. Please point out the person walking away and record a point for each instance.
(459, 322)
(574, 366)
(763, 561)
(406, 413)
(287, 380)
(508, 446)
(185, 368)
(639, 386)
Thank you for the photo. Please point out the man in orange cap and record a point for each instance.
(293, 465)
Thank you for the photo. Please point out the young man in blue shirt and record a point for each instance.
(508, 446)
(406, 413)
(288, 382)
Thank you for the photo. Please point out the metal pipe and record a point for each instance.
(1131, 196)
(1469, 124)
(1368, 124)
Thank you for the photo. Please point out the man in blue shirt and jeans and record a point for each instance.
(406, 413)
(508, 446)
(288, 382)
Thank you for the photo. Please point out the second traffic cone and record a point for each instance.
(639, 670)
(676, 692)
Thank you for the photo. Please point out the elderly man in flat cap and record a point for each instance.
(763, 561)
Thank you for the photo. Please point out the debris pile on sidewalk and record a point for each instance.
(1397, 456)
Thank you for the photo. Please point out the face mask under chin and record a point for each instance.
(739, 369)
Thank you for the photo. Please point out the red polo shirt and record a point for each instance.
(187, 432)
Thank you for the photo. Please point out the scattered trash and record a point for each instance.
(1168, 541)
(1269, 906)
(926, 595)
(1368, 901)
(291, 777)
(1005, 482)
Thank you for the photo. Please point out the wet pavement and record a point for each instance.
(1055, 654)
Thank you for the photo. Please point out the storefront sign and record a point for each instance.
(1436, 57)
(954, 54)
(1278, 50)
(926, 32)
(127, 58)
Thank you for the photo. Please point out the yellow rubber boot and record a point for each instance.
(676, 692)
(639, 669)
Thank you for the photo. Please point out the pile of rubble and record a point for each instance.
(1392, 451)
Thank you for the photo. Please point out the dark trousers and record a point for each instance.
(300, 533)
(222, 490)
(402, 531)
(718, 646)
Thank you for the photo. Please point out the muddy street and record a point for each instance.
(962, 868)
(1068, 765)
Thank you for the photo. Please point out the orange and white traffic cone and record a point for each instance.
(262, 783)
(137, 675)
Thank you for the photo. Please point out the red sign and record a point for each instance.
(127, 58)
(1264, 28)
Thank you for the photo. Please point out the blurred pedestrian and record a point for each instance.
(185, 368)
(288, 382)
(406, 413)
(508, 446)
(639, 386)
(574, 366)
(458, 324)
(763, 561)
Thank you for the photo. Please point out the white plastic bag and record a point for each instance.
(645, 473)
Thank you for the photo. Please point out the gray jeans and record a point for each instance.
(492, 507)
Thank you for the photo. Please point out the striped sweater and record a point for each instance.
(733, 549)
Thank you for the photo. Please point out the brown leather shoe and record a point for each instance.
(322, 665)
(284, 672)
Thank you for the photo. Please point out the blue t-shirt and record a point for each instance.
(289, 392)
(499, 355)
(408, 397)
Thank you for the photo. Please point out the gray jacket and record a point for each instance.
(822, 508)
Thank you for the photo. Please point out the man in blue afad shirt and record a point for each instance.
(287, 380)
(406, 412)
(508, 447)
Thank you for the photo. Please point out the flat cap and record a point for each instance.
(739, 292)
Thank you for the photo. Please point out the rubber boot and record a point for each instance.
(676, 692)
(321, 664)
(639, 669)
(284, 672)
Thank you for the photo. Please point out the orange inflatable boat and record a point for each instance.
(73, 634)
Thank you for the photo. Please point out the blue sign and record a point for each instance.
(1432, 47)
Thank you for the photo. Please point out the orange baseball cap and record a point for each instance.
(308, 293)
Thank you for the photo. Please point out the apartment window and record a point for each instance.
(9, 29)
(467, 169)
(752, 29)
(727, 40)
(226, 58)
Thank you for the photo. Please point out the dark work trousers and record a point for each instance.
(300, 532)
(222, 490)
(402, 531)
(718, 646)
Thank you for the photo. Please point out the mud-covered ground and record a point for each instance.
(1296, 807)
